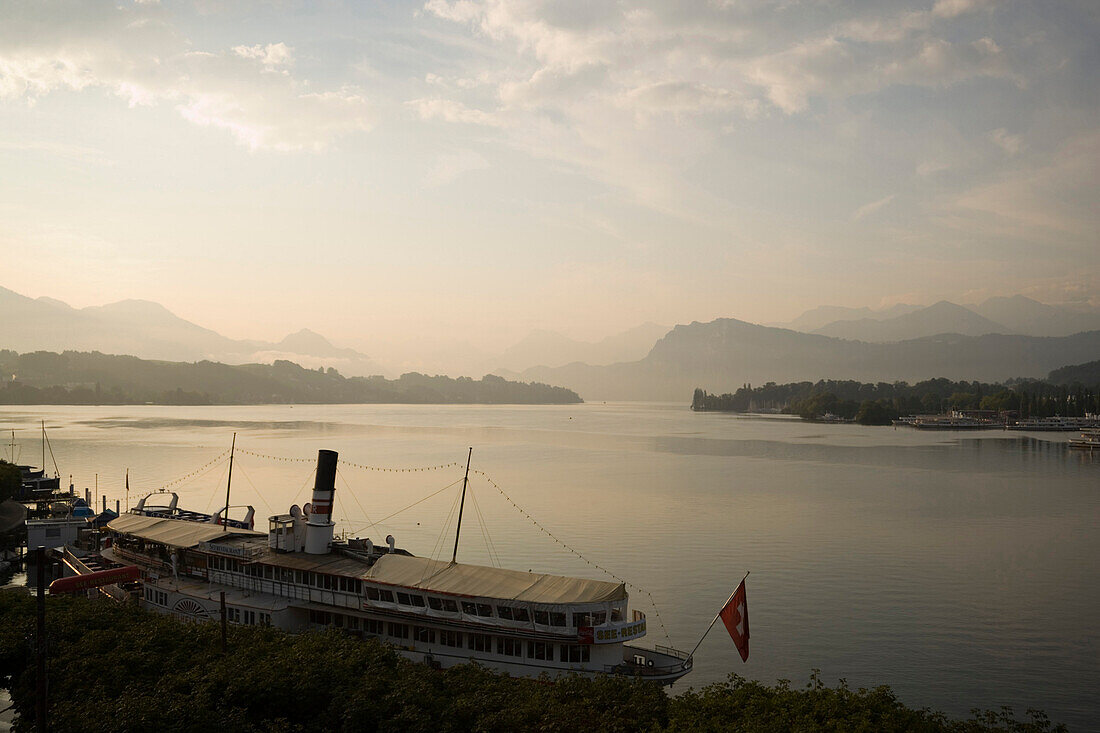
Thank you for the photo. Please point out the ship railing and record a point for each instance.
(286, 590)
(140, 559)
(671, 652)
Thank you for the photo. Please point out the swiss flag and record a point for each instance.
(735, 615)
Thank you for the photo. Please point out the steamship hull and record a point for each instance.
(296, 577)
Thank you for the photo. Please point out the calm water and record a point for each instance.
(959, 568)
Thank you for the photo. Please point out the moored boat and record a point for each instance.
(296, 576)
(1089, 441)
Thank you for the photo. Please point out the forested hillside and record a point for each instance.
(86, 378)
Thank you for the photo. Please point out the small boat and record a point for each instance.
(1089, 441)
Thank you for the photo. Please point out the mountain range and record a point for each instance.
(1009, 315)
(725, 353)
(551, 349)
(149, 330)
(996, 340)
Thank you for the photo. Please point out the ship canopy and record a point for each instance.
(486, 582)
(174, 532)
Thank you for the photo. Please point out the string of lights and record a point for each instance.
(193, 474)
(596, 565)
(412, 469)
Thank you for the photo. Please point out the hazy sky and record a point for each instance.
(474, 169)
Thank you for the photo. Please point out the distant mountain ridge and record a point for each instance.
(148, 330)
(1009, 315)
(551, 349)
(726, 353)
(823, 315)
(1020, 314)
(942, 317)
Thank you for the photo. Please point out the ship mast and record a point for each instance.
(228, 483)
(465, 480)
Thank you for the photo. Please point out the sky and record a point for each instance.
(465, 171)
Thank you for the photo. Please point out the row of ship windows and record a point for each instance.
(233, 615)
(508, 613)
(354, 585)
(286, 575)
(485, 643)
(158, 597)
(247, 616)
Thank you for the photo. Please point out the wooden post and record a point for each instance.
(40, 645)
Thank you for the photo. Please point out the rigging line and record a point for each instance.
(490, 548)
(340, 475)
(56, 470)
(186, 476)
(438, 546)
(241, 470)
(440, 543)
(197, 475)
(410, 506)
(312, 471)
(217, 492)
(551, 535)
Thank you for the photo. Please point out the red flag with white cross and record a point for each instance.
(735, 615)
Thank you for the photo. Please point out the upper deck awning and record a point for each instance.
(174, 532)
(485, 582)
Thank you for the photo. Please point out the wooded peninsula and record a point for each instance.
(1068, 392)
(92, 378)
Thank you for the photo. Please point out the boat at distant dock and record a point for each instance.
(1089, 441)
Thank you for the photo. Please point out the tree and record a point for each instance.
(10, 480)
(875, 413)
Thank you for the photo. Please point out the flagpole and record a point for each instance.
(716, 616)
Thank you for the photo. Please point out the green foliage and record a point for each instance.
(848, 398)
(133, 670)
(91, 378)
(10, 480)
(745, 705)
(878, 412)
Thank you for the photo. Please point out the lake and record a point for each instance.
(958, 568)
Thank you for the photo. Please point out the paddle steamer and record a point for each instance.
(296, 576)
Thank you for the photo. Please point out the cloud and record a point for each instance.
(1052, 202)
(451, 166)
(955, 8)
(1007, 142)
(449, 110)
(272, 56)
(633, 95)
(135, 54)
(867, 209)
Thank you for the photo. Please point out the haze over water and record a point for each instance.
(957, 568)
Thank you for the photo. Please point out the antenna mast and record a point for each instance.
(225, 516)
(465, 480)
